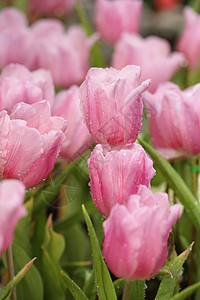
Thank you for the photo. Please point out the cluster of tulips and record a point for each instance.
(98, 117)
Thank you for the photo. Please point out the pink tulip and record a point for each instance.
(175, 125)
(11, 17)
(116, 174)
(14, 45)
(112, 104)
(43, 33)
(66, 55)
(50, 7)
(11, 210)
(78, 139)
(18, 84)
(14, 36)
(152, 54)
(44, 28)
(30, 141)
(136, 235)
(189, 41)
(113, 18)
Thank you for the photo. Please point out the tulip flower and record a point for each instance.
(152, 54)
(136, 235)
(112, 104)
(18, 84)
(115, 17)
(14, 36)
(30, 141)
(189, 40)
(14, 45)
(117, 173)
(78, 139)
(11, 210)
(65, 55)
(52, 7)
(11, 17)
(175, 125)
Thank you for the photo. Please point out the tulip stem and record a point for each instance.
(127, 290)
(10, 268)
(194, 175)
(194, 178)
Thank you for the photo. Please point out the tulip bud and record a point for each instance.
(189, 40)
(152, 54)
(30, 141)
(18, 84)
(116, 174)
(136, 235)
(175, 125)
(111, 102)
(115, 17)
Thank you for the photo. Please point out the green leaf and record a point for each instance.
(53, 284)
(22, 231)
(75, 290)
(138, 290)
(53, 247)
(89, 287)
(186, 292)
(7, 290)
(31, 285)
(76, 216)
(168, 283)
(119, 286)
(179, 187)
(104, 284)
(54, 242)
(48, 194)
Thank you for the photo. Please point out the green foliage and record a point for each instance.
(191, 205)
(138, 290)
(186, 292)
(7, 290)
(104, 284)
(168, 284)
(77, 293)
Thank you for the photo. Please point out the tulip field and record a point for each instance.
(99, 150)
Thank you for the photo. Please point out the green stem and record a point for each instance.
(181, 190)
(127, 290)
(194, 175)
(194, 178)
(10, 268)
(96, 51)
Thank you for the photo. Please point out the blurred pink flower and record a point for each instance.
(11, 17)
(11, 210)
(14, 45)
(30, 141)
(152, 54)
(14, 36)
(78, 139)
(50, 7)
(136, 235)
(113, 18)
(116, 173)
(175, 123)
(66, 55)
(111, 102)
(189, 41)
(18, 84)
